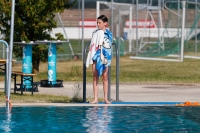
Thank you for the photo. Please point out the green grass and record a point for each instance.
(43, 98)
(36, 98)
(160, 71)
(136, 71)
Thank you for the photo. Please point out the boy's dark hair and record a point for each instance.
(103, 18)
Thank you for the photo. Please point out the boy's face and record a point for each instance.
(101, 25)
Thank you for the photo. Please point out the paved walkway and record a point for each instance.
(131, 92)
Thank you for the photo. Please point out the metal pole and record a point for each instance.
(98, 8)
(186, 24)
(112, 14)
(118, 52)
(119, 29)
(83, 55)
(10, 56)
(79, 29)
(109, 83)
(130, 28)
(178, 47)
(159, 25)
(133, 29)
(137, 41)
(109, 68)
(83, 7)
(84, 71)
(183, 30)
(196, 27)
(163, 4)
(6, 68)
(117, 71)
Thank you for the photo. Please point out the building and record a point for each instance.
(72, 18)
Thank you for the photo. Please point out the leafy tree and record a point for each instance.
(34, 20)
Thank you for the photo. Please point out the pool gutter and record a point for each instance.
(99, 104)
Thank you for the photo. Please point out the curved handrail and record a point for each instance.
(7, 73)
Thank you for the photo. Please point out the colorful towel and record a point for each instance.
(97, 39)
(100, 50)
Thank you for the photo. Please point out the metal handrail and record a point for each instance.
(84, 71)
(117, 70)
(7, 82)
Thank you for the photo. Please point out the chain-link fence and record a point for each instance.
(155, 32)
(144, 29)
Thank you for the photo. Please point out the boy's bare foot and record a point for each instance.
(107, 102)
(94, 102)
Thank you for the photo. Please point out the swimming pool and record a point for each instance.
(101, 119)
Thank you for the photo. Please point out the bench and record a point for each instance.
(24, 87)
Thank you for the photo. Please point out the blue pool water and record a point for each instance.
(140, 119)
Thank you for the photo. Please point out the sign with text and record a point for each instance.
(141, 24)
(88, 23)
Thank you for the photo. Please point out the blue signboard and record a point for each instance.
(52, 63)
(27, 62)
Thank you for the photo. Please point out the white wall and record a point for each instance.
(74, 32)
(164, 32)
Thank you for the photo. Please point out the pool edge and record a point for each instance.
(99, 104)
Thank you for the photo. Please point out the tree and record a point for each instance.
(34, 20)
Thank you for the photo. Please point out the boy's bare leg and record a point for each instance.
(105, 85)
(95, 83)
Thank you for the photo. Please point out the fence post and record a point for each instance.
(183, 29)
(84, 72)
